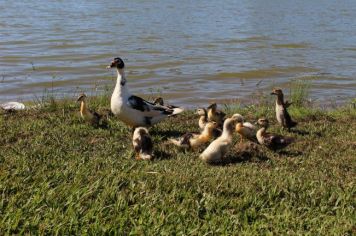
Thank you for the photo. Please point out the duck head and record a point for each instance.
(117, 62)
(81, 97)
(158, 101)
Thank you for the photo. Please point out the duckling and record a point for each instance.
(195, 140)
(245, 129)
(133, 110)
(215, 115)
(203, 119)
(271, 141)
(142, 144)
(216, 151)
(282, 114)
(89, 116)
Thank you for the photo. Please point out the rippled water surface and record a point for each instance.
(191, 52)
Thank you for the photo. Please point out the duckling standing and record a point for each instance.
(245, 129)
(282, 114)
(195, 140)
(271, 141)
(142, 144)
(216, 151)
(132, 110)
(89, 116)
(215, 115)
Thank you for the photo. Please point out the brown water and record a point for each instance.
(191, 52)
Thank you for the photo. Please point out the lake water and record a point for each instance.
(191, 52)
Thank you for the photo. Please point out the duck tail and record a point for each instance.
(177, 110)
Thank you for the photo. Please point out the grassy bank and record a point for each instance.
(59, 175)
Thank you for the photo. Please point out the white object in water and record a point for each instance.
(12, 106)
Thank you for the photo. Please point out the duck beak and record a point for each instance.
(273, 93)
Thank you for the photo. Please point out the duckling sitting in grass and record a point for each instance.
(271, 141)
(89, 116)
(216, 115)
(142, 144)
(203, 120)
(216, 151)
(246, 130)
(282, 114)
(195, 140)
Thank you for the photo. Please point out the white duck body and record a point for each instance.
(215, 152)
(135, 111)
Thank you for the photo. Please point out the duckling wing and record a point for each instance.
(146, 143)
(289, 123)
(149, 109)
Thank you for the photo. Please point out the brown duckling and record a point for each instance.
(271, 141)
(142, 144)
(216, 115)
(282, 114)
(195, 140)
(89, 116)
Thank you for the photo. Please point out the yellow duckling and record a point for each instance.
(215, 115)
(282, 114)
(142, 144)
(89, 116)
(246, 130)
(195, 140)
(216, 151)
(271, 141)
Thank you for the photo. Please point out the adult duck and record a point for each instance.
(133, 110)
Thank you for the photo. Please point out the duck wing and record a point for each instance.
(146, 143)
(151, 109)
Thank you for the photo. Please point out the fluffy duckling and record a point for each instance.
(215, 115)
(133, 110)
(89, 116)
(246, 130)
(142, 144)
(282, 114)
(216, 151)
(195, 140)
(271, 141)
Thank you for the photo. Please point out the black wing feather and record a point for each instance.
(138, 103)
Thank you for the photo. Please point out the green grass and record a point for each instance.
(59, 175)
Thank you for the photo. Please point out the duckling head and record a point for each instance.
(211, 125)
(201, 111)
(117, 62)
(239, 118)
(212, 107)
(277, 91)
(141, 131)
(81, 97)
(263, 122)
(159, 101)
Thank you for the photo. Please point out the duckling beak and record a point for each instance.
(273, 93)
(113, 64)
